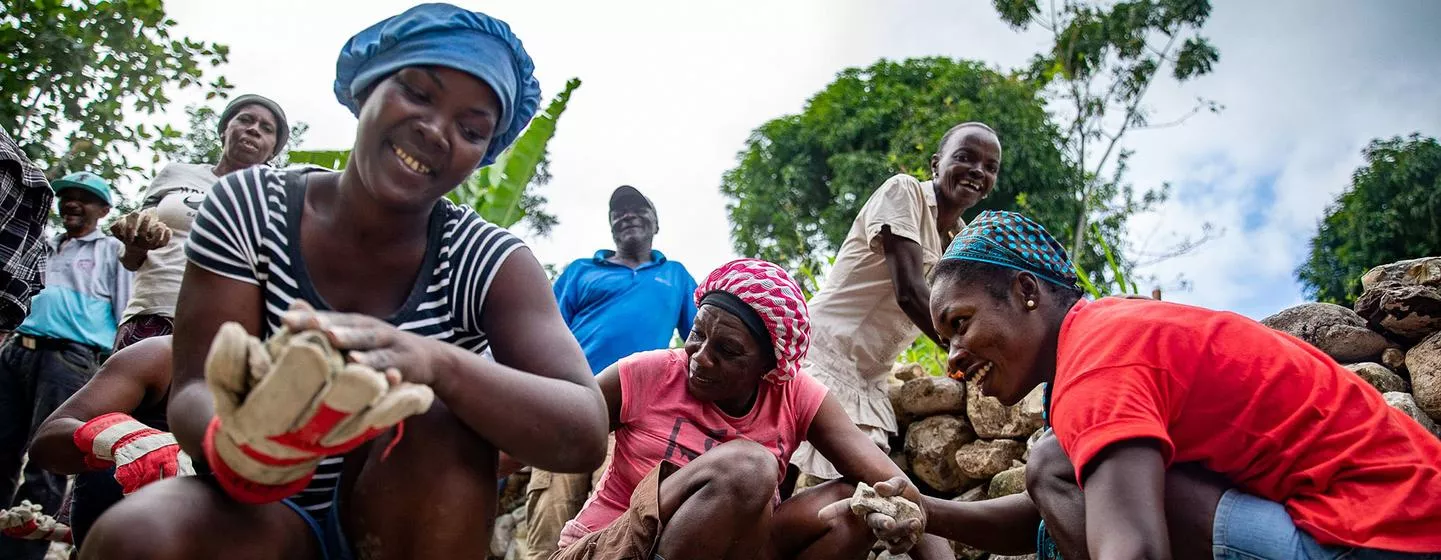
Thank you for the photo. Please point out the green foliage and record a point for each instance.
(802, 178)
(201, 143)
(1104, 58)
(72, 72)
(502, 192)
(1391, 212)
(925, 352)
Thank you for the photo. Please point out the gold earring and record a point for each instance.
(1030, 304)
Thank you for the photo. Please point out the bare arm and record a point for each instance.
(1125, 503)
(121, 385)
(904, 259)
(609, 381)
(1005, 525)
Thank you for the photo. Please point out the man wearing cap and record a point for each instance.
(616, 303)
(253, 130)
(57, 348)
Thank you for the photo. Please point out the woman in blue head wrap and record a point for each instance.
(1195, 433)
(406, 283)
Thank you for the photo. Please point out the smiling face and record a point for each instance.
(991, 336)
(80, 210)
(632, 226)
(965, 169)
(422, 132)
(726, 362)
(250, 136)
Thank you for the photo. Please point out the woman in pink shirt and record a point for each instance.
(703, 434)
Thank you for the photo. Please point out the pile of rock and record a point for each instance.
(1392, 338)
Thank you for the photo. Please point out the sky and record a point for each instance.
(671, 90)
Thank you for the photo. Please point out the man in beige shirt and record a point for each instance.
(875, 300)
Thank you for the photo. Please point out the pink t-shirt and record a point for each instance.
(661, 421)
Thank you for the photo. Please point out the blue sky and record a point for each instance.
(672, 89)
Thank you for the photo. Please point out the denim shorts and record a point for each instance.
(333, 543)
(1252, 528)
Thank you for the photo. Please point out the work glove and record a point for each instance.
(283, 405)
(28, 521)
(139, 453)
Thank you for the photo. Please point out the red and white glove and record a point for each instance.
(140, 454)
(28, 521)
(282, 406)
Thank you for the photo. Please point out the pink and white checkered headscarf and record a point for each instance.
(774, 296)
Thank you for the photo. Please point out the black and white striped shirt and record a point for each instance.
(248, 230)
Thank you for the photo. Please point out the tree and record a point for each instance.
(1104, 58)
(1391, 212)
(802, 178)
(72, 72)
(502, 192)
(201, 142)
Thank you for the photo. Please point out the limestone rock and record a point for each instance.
(973, 495)
(1404, 403)
(1335, 330)
(964, 552)
(1031, 442)
(1394, 359)
(1383, 379)
(1407, 312)
(1424, 363)
(926, 396)
(903, 418)
(1009, 481)
(931, 446)
(982, 459)
(993, 420)
(1424, 271)
(907, 372)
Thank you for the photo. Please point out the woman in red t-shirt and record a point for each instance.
(703, 434)
(1195, 433)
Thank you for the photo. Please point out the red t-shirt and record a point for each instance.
(1273, 414)
(661, 421)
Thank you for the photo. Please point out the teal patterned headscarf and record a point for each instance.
(1011, 240)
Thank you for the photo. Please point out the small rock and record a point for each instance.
(1335, 330)
(1424, 363)
(1009, 481)
(903, 418)
(965, 552)
(983, 459)
(1394, 359)
(1024, 557)
(1425, 271)
(1384, 380)
(993, 420)
(973, 495)
(926, 396)
(1404, 403)
(1031, 442)
(907, 372)
(1407, 312)
(931, 446)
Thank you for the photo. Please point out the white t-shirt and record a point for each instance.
(176, 195)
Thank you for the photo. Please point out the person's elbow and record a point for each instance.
(583, 447)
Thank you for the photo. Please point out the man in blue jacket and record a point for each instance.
(616, 303)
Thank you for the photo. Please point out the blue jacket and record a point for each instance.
(615, 311)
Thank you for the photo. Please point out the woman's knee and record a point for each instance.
(742, 469)
(143, 526)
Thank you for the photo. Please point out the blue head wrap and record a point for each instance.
(1011, 240)
(448, 36)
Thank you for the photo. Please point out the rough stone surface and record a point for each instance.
(973, 495)
(1394, 359)
(926, 396)
(1335, 330)
(1009, 481)
(931, 446)
(1407, 312)
(964, 552)
(1383, 379)
(983, 459)
(1424, 271)
(903, 418)
(1404, 403)
(907, 372)
(992, 420)
(1424, 363)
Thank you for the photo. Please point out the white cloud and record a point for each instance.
(672, 89)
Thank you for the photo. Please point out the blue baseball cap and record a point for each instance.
(86, 181)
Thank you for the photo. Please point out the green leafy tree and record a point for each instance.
(201, 142)
(1391, 212)
(503, 192)
(1104, 58)
(72, 72)
(802, 178)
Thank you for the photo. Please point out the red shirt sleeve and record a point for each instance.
(1100, 407)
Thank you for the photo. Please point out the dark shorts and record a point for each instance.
(327, 531)
(632, 536)
(141, 327)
